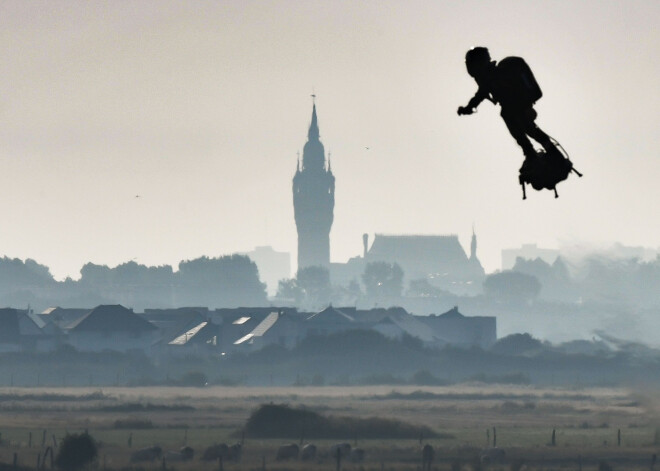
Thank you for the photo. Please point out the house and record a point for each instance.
(22, 331)
(237, 322)
(397, 326)
(456, 329)
(329, 321)
(112, 327)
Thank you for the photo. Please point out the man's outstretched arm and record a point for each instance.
(473, 103)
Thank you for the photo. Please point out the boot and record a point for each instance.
(530, 158)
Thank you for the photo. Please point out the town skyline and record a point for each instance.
(159, 133)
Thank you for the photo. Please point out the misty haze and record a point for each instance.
(266, 235)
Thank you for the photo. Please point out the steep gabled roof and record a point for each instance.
(330, 314)
(452, 314)
(64, 318)
(444, 249)
(112, 318)
(421, 255)
(15, 323)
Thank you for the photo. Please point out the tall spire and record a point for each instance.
(473, 245)
(313, 153)
(313, 134)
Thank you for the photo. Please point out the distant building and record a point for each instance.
(273, 266)
(313, 201)
(439, 259)
(528, 252)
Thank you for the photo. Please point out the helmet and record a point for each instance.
(476, 58)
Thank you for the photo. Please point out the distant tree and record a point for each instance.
(76, 451)
(512, 285)
(383, 279)
(228, 281)
(288, 289)
(555, 279)
(315, 285)
(93, 274)
(16, 274)
(354, 288)
(346, 295)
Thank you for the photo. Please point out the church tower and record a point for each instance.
(313, 201)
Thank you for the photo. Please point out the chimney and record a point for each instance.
(365, 243)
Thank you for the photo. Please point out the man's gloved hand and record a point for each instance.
(462, 110)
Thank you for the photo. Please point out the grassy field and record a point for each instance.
(587, 423)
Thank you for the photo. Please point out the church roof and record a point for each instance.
(421, 255)
(440, 248)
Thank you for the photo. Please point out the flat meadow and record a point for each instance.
(537, 428)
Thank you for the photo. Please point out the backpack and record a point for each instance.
(519, 87)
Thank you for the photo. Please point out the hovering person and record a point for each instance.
(511, 84)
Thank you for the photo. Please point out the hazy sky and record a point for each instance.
(201, 107)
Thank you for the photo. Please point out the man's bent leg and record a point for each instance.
(536, 133)
(516, 126)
